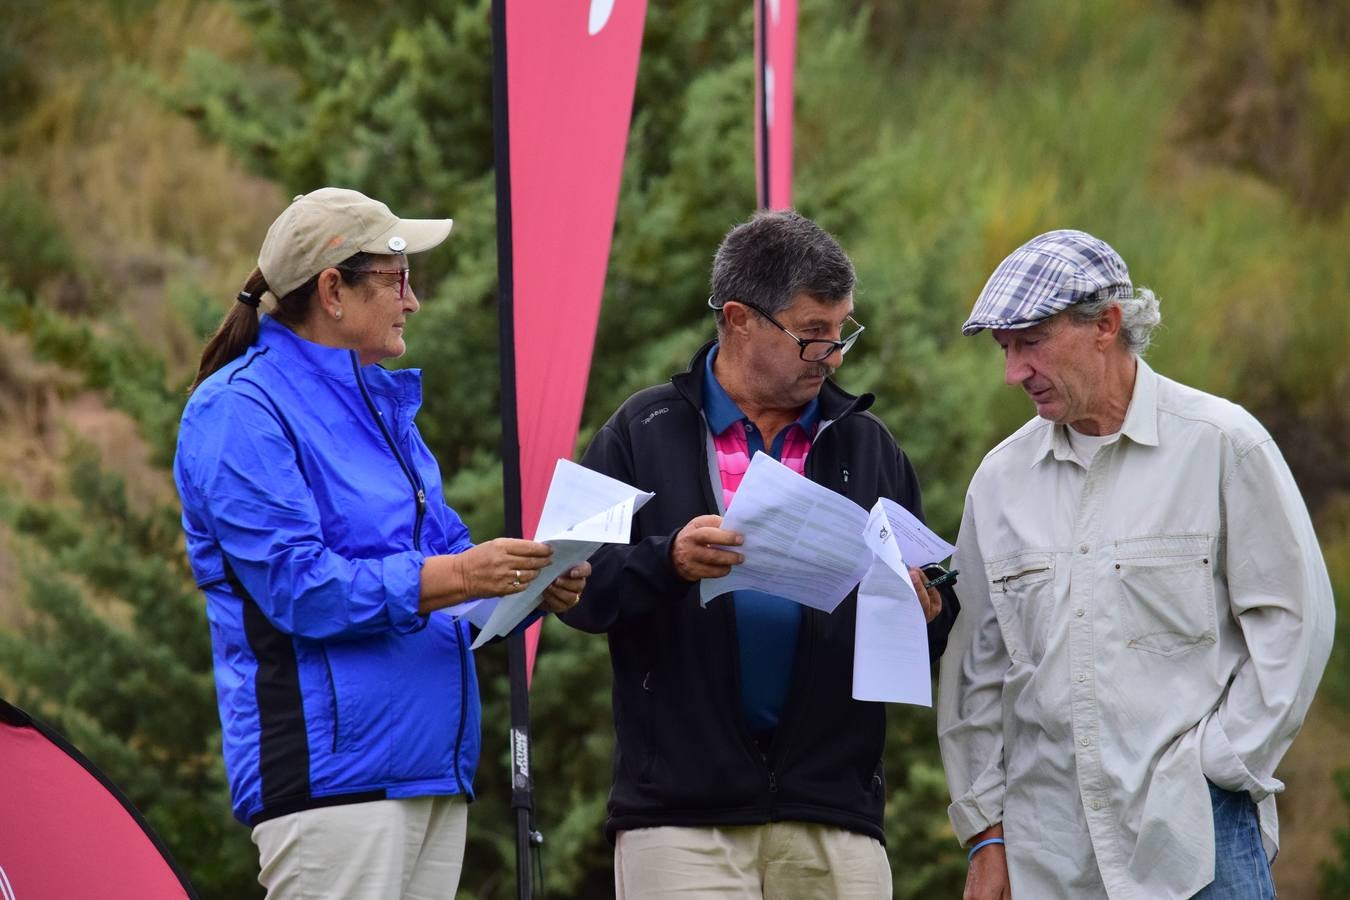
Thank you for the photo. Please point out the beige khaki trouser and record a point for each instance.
(381, 850)
(778, 861)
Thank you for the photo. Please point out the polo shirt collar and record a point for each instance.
(722, 412)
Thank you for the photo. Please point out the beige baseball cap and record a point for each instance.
(324, 227)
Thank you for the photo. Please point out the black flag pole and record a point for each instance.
(763, 98)
(528, 838)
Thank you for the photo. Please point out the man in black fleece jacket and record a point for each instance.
(743, 766)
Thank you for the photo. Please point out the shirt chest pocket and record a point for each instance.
(1166, 590)
(1022, 592)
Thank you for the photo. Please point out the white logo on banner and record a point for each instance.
(600, 12)
(773, 10)
(6, 892)
(768, 94)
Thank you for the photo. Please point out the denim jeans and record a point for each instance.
(1241, 871)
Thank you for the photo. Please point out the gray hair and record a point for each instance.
(1139, 315)
(769, 260)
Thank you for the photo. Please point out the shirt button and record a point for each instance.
(1080, 612)
(1084, 741)
(1081, 678)
(1083, 548)
(749, 427)
(1096, 804)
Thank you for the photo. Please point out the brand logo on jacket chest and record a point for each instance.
(647, 420)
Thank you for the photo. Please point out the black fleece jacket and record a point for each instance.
(684, 753)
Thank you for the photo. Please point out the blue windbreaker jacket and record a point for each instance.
(310, 501)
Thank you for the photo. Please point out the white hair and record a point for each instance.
(1139, 315)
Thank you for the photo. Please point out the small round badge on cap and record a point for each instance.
(397, 244)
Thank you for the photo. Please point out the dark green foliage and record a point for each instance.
(34, 250)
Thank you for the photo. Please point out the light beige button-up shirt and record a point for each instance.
(1128, 630)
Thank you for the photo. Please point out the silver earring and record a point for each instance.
(337, 313)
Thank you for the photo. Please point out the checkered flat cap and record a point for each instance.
(1044, 276)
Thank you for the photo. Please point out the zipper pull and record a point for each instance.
(421, 500)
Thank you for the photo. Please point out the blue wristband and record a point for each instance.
(984, 843)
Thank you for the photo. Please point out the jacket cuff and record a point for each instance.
(403, 591)
(1221, 764)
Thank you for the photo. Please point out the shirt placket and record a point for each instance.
(1092, 783)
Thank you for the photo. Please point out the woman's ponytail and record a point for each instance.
(237, 331)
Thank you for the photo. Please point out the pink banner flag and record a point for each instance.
(571, 69)
(65, 830)
(775, 64)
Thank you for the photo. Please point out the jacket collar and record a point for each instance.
(335, 363)
(835, 402)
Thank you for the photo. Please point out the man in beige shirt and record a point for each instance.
(1146, 612)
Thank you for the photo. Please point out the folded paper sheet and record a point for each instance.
(919, 546)
(583, 510)
(890, 644)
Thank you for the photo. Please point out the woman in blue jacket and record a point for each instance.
(318, 531)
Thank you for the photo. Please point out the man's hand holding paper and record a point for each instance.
(801, 541)
(700, 549)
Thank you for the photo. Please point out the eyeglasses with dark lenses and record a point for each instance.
(812, 349)
(403, 275)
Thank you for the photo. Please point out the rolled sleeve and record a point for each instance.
(1222, 765)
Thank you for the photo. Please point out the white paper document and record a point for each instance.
(583, 510)
(890, 652)
(802, 540)
(918, 545)
(476, 611)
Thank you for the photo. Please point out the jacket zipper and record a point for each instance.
(807, 647)
(419, 491)
(420, 495)
(463, 704)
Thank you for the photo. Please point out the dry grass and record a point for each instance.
(152, 211)
(148, 205)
